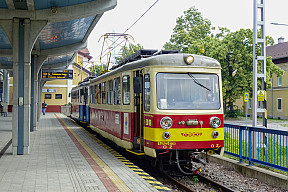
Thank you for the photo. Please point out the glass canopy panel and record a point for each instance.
(6, 61)
(3, 4)
(65, 33)
(58, 59)
(4, 41)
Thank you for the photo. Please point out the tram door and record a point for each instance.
(138, 103)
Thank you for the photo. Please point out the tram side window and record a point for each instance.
(81, 93)
(147, 92)
(117, 91)
(77, 99)
(104, 93)
(99, 94)
(91, 94)
(126, 90)
(110, 92)
(95, 94)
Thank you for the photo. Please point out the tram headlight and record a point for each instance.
(166, 122)
(215, 122)
(189, 59)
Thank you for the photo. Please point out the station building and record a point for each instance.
(57, 93)
(277, 101)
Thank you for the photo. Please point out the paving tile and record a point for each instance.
(56, 164)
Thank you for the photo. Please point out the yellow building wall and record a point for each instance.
(272, 96)
(78, 75)
(53, 100)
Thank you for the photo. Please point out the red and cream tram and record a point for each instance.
(166, 106)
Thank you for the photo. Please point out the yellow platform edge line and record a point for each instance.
(147, 178)
(110, 173)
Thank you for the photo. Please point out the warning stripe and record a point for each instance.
(155, 183)
(265, 114)
(109, 179)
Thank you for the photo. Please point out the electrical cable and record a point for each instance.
(128, 30)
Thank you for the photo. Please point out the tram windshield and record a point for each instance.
(188, 91)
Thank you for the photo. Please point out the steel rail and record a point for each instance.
(215, 184)
(202, 179)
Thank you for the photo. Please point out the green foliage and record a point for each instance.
(195, 179)
(233, 113)
(97, 69)
(126, 51)
(234, 51)
(275, 152)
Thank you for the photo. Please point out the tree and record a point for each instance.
(97, 69)
(126, 51)
(234, 51)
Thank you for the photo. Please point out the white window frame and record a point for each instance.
(279, 81)
(281, 104)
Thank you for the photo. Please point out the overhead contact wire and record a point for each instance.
(129, 28)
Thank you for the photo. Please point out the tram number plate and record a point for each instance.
(167, 144)
(215, 146)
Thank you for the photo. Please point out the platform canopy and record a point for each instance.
(66, 27)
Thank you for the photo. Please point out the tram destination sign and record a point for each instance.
(57, 74)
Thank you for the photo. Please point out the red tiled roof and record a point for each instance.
(85, 53)
(84, 69)
(278, 51)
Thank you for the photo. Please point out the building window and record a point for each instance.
(126, 90)
(48, 96)
(279, 104)
(58, 96)
(279, 81)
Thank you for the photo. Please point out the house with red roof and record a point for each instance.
(277, 96)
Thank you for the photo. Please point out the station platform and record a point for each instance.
(65, 157)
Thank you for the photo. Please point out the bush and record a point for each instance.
(233, 113)
(68, 104)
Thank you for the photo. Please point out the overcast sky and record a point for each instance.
(156, 27)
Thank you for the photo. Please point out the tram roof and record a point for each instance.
(67, 25)
(165, 60)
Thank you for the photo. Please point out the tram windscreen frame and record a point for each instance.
(178, 91)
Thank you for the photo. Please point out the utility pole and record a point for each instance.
(259, 45)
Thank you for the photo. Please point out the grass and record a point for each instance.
(274, 153)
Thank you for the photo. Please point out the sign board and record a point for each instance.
(57, 74)
(48, 90)
(260, 96)
(246, 97)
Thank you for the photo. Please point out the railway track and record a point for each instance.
(202, 179)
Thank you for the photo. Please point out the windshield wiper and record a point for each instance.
(197, 82)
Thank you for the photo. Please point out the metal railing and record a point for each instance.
(268, 147)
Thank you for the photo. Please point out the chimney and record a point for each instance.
(280, 40)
